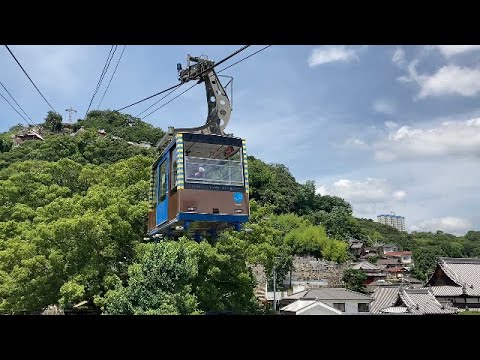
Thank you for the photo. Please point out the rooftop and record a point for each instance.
(300, 305)
(328, 294)
(397, 253)
(400, 300)
(465, 272)
(365, 265)
(391, 216)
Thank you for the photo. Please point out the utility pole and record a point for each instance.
(71, 114)
(274, 290)
(275, 259)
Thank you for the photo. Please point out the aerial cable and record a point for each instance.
(102, 75)
(256, 52)
(203, 72)
(29, 78)
(111, 78)
(8, 92)
(8, 102)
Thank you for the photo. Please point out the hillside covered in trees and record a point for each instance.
(74, 212)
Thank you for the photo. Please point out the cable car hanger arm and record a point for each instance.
(219, 106)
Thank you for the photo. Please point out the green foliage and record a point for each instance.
(469, 312)
(125, 126)
(158, 284)
(53, 121)
(82, 148)
(62, 237)
(373, 232)
(353, 279)
(313, 240)
(74, 211)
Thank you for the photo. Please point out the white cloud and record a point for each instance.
(368, 197)
(449, 224)
(328, 54)
(451, 50)
(369, 190)
(391, 125)
(383, 106)
(398, 57)
(355, 142)
(451, 138)
(451, 79)
(399, 195)
(448, 80)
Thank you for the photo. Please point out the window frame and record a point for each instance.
(173, 180)
(367, 306)
(162, 188)
(335, 305)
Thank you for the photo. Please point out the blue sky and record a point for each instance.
(386, 127)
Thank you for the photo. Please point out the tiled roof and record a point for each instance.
(384, 297)
(464, 272)
(297, 305)
(422, 301)
(398, 253)
(388, 261)
(365, 265)
(329, 294)
(416, 301)
(304, 304)
(356, 246)
(446, 290)
(395, 269)
(395, 310)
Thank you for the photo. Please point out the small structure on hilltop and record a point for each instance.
(26, 136)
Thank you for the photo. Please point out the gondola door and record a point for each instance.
(162, 191)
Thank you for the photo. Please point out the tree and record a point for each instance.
(53, 121)
(354, 279)
(158, 284)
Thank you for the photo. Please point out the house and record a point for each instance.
(401, 300)
(356, 248)
(457, 282)
(309, 307)
(388, 263)
(377, 250)
(373, 272)
(397, 272)
(389, 248)
(346, 301)
(405, 257)
(29, 135)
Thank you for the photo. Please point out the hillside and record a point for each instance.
(74, 211)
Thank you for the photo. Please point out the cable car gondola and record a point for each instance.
(199, 183)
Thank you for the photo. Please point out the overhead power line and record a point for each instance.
(8, 102)
(203, 72)
(111, 78)
(239, 61)
(156, 102)
(29, 78)
(168, 102)
(8, 92)
(102, 75)
(161, 92)
(245, 58)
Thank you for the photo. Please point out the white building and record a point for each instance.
(398, 222)
(330, 301)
